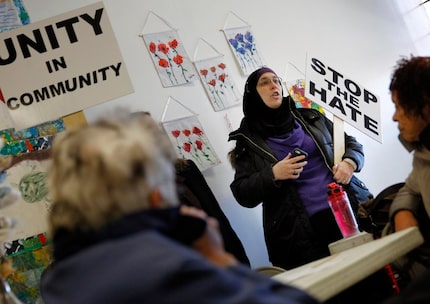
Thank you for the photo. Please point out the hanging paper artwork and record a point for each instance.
(28, 176)
(243, 45)
(12, 15)
(169, 57)
(31, 139)
(219, 85)
(190, 141)
(296, 89)
(30, 257)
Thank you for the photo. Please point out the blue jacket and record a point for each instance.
(289, 237)
(144, 259)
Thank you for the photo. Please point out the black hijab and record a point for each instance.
(261, 119)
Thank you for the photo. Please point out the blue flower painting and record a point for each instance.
(242, 43)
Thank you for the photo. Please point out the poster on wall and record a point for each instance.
(31, 209)
(12, 15)
(190, 141)
(60, 66)
(343, 96)
(218, 83)
(243, 45)
(28, 176)
(169, 57)
(30, 257)
(296, 89)
(24, 208)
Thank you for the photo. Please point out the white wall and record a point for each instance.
(362, 38)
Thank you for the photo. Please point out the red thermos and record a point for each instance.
(342, 211)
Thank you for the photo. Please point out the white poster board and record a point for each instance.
(59, 66)
(326, 277)
(344, 97)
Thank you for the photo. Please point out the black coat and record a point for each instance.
(289, 237)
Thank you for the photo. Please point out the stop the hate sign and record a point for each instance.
(344, 97)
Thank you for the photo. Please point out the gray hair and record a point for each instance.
(105, 170)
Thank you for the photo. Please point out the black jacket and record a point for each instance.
(289, 236)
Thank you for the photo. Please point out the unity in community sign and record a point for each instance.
(59, 66)
(343, 97)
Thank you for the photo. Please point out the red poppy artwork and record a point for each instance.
(170, 59)
(190, 141)
(243, 45)
(219, 85)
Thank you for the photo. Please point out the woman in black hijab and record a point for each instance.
(297, 220)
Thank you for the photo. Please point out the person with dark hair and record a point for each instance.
(297, 220)
(120, 236)
(193, 190)
(410, 92)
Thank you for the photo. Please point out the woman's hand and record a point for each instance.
(342, 172)
(289, 167)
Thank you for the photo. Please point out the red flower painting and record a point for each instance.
(191, 141)
(218, 84)
(174, 67)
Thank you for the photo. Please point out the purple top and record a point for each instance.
(313, 181)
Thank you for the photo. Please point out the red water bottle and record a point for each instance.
(342, 211)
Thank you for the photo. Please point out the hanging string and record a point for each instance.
(233, 13)
(163, 115)
(296, 68)
(210, 45)
(159, 17)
